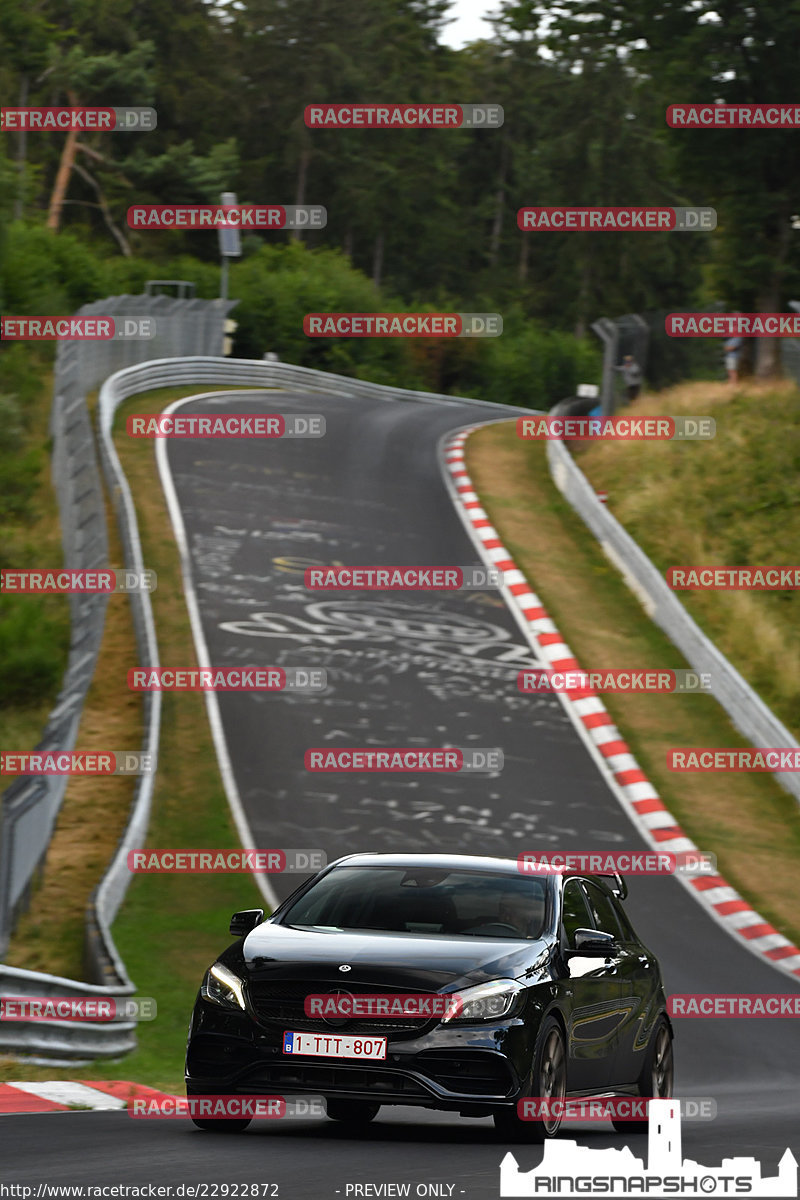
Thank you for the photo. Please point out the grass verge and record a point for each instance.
(748, 821)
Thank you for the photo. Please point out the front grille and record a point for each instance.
(282, 1003)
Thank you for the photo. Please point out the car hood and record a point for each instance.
(425, 961)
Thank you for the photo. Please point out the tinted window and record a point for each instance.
(423, 900)
(574, 913)
(603, 911)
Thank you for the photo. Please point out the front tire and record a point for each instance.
(547, 1081)
(655, 1080)
(352, 1112)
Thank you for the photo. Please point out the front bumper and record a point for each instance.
(463, 1069)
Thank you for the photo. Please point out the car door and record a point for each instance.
(593, 991)
(637, 977)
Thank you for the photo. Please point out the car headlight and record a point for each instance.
(221, 986)
(486, 1001)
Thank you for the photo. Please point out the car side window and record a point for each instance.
(574, 913)
(603, 911)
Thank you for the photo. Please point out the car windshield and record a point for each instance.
(419, 900)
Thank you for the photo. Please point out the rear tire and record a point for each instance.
(352, 1112)
(656, 1078)
(547, 1080)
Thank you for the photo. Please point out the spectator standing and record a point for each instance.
(733, 349)
(631, 376)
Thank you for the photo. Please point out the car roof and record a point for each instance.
(466, 862)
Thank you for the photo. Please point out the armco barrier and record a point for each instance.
(746, 709)
(30, 805)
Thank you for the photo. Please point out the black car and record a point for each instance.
(557, 994)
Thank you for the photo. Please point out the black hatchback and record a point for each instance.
(449, 981)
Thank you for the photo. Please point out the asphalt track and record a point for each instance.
(404, 670)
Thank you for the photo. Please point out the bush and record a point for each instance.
(33, 648)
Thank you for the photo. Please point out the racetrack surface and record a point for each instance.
(405, 669)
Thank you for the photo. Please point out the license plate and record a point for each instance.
(331, 1046)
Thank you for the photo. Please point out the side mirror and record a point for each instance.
(242, 922)
(594, 942)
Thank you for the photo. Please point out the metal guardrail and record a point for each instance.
(31, 804)
(744, 706)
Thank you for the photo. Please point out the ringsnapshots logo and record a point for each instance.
(733, 116)
(569, 1169)
(76, 762)
(248, 217)
(80, 583)
(77, 1008)
(556, 428)
(225, 862)
(733, 579)
(616, 862)
(401, 579)
(225, 425)
(578, 683)
(410, 325)
(33, 119)
(218, 1107)
(616, 219)
(77, 329)
(405, 760)
(404, 116)
(298, 680)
